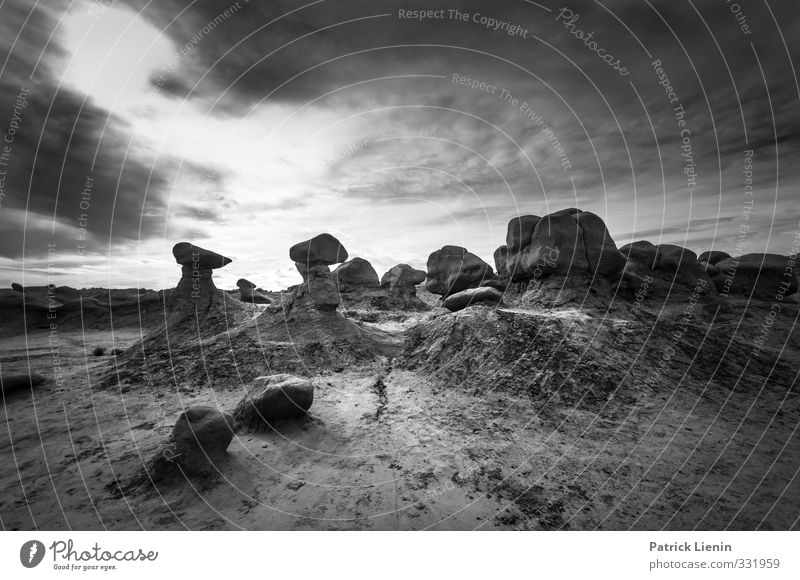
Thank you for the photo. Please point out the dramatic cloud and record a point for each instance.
(247, 126)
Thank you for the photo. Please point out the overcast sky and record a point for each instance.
(136, 124)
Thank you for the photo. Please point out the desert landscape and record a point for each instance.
(571, 385)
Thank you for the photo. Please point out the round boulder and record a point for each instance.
(355, 273)
(472, 296)
(321, 249)
(402, 276)
(453, 269)
(273, 398)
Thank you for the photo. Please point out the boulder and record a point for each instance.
(248, 293)
(569, 242)
(402, 276)
(323, 249)
(671, 267)
(472, 296)
(764, 276)
(200, 436)
(198, 265)
(16, 287)
(453, 269)
(355, 274)
(10, 383)
(713, 256)
(273, 398)
(501, 261)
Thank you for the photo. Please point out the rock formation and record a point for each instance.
(569, 242)
(662, 269)
(274, 398)
(402, 277)
(312, 258)
(19, 382)
(200, 437)
(764, 276)
(453, 269)
(355, 274)
(472, 296)
(198, 265)
(248, 293)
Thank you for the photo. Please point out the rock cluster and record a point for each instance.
(274, 398)
(763, 276)
(569, 243)
(198, 265)
(453, 269)
(665, 268)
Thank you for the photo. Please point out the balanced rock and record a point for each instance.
(402, 276)
(323, 249)
(764, 276)
(472, 296)
(248, 293)
(273, 398)
(453, 269)
(568, 242)
(355, 274)
(197, 267)
(201, 434)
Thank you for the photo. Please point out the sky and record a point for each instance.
(246, 127)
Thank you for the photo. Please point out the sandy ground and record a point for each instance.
(392, 447)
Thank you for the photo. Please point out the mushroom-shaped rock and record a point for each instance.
(354, 274)
(198, 265)
(272, 398)
(453, 269)
(765, 276)
(17, 287)
(472, 296)
(322, 249)
(402, 276)
(248, 293)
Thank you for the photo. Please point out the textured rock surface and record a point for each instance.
(471, 296)
(273, 398)
(199, 439)
(322, 249)
(355, 274)
(248, 293)
(198, 265)
(402, 276)
(453, 269)
(765, 276)
(673, 269)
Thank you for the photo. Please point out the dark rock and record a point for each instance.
(19, 382)
(248, 293)
(355, 274)
(764, 276)
(713, 256)
(318, 290)
(402, 276)
(472, 296)
(453, 269)
(673, 268)
(99, 351)
(273, 398)
(323, 249)
(519, 232)
(501, 261)
(201, 436)
(16, 287)
(198, 265)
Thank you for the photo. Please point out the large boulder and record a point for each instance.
(569, 242)
(713, 256)
(10, 383)
(200, 436)
(501, 261)
(472, 296)
(355, 274)
(764, 276)
(453, 269)
(273, 398)
(248, 293)
(323, 249)
(402, 276)
(666, 268)
(198, 265)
